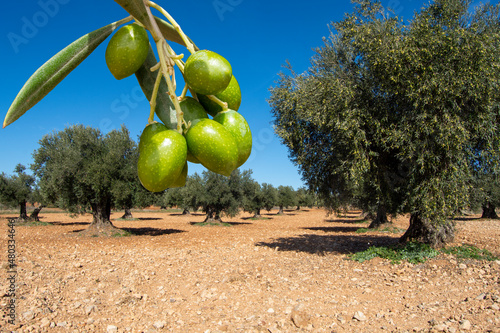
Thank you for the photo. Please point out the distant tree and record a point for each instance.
(221, 195)
(127, 190)
(253, 198)
(305, 198)
(270, 194)
(17, 190)
(387, 114)
(486, 195)
(79, 167)
(286, 197)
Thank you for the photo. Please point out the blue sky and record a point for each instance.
(257, 37)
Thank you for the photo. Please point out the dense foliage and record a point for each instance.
(394, 114)
(79, 169)
(18, 190)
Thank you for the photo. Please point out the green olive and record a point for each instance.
(238, 127)
(207, 72)
(127, 50)
(231, 95)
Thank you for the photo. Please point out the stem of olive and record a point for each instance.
(171, 89)
(177, 27)
(154, 96)
(184, 92)
(219, 102)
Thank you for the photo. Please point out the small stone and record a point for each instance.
(341, 319)
(112, 328)
(159, 324)
(28, 315)
(359, 316)
(441, 327)
(480, 297)
(270, 310)
(89, 309)
(494, 306)
(462, 266)
(465, 325)
(45, 322)
(62, 324)
(300, 317)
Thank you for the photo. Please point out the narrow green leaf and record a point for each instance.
(50, 74)
(165, 109)
(169, 32)
(137, 9)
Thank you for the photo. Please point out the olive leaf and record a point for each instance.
(50, 74)
(138, 10)
(169, 33)
(165, 109)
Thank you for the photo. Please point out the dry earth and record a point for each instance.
(286, 274)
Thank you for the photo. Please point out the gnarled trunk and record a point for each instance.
(34, 213)
(257, 214)
(424, 231)
(23, 216)
(128, 214)
(489, 211)
(380, 219)
(280, 211)
(213, 216)
(186, 212)
(101, 223)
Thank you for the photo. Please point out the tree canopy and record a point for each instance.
(79, 168)
(18, 189)
(393, 114)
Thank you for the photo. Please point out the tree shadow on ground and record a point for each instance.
(328, 244)
(149, 218)
(191, 214)
(69, 223)
(466, 218)
(217, 224)
(347, 220)
(146, 231)
(334, 229)
(152, 231)
(258, 218)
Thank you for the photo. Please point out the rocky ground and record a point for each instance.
(288, 273)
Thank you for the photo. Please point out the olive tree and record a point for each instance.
(17, 190)
(286, 198)
(386, 116)
(79, 169)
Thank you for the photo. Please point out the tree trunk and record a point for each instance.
(186, 212)
(101, 223)
(127, 215)
(23, 216)
(34, 214)
(212, 216)
(298, 207)
(257, 214)
(424, 231)
(380, 219)
(489, 211)
(280, 211)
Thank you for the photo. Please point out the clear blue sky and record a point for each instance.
(257, 37)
